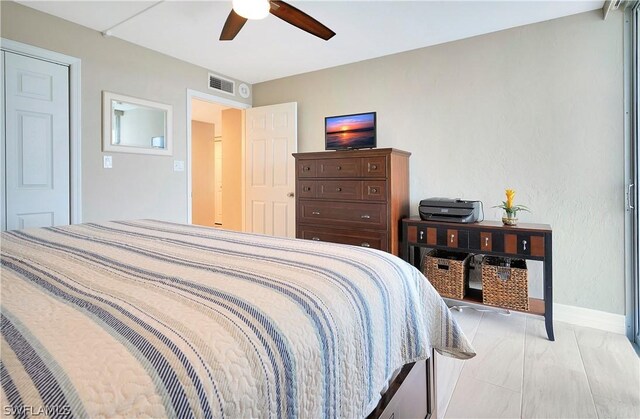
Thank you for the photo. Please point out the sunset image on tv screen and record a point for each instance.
(350, 131)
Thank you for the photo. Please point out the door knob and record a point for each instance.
(290, 195)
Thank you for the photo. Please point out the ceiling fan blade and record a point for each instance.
(232, 26)
(298, 18)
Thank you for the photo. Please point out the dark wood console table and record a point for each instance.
(524, 241)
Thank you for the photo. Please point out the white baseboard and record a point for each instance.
(590, 318)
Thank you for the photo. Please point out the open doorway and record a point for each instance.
(255, 160)
(216, 163)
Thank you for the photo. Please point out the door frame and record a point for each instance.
(631, 127)
(195, 94)
(217, 203)
(75, 116)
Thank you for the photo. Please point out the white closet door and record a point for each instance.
(37, 142)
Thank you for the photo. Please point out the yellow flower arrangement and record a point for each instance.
(510, 194)
(508, 205)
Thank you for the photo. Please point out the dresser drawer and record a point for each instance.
(370, 239)
(356, 190)
(451, 237)
(524, 244)
(339, 167)
(307, 188)
(339, 189)
(374, 190)
(374, 166)
(349, 214)
(485, 241)
(516, 244)
(306, 168)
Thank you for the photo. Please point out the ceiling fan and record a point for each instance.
(259, 9)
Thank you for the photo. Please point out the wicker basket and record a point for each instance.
(505, 286)
(448, 272)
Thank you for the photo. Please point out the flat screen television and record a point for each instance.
(346, 132)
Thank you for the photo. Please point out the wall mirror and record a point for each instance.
(132, 125)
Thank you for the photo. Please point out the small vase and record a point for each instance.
(509, 219)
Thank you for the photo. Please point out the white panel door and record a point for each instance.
(271, 138)
(37, 142)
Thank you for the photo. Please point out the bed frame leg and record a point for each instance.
(432, 399)
(411, 394)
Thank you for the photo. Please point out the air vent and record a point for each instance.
(221, 84)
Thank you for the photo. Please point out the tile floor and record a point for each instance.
(517, 372)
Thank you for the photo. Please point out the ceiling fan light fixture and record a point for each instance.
(252, 9)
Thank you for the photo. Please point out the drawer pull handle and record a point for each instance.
(315, 238)
(307, 188)
(339, 168)
(365, 217)
(524, 245)
(315, 213)
(453, 236)
(365, 244)
(374, 190)
(374, 166)
(338, 189)
(486, 242)
(422, 235)
(306, 168)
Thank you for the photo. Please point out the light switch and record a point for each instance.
(107, 162)
(178, 166)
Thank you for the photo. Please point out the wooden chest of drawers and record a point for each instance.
(353, 197)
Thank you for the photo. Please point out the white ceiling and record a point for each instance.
(270, 48)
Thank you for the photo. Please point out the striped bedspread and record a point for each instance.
(153, 319)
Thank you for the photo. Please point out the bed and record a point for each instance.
(155, 319)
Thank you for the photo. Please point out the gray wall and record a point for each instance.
(138, 186)
(536, 108)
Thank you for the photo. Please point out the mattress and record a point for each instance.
(155, 319)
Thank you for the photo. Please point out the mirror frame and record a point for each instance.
(107, 124)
